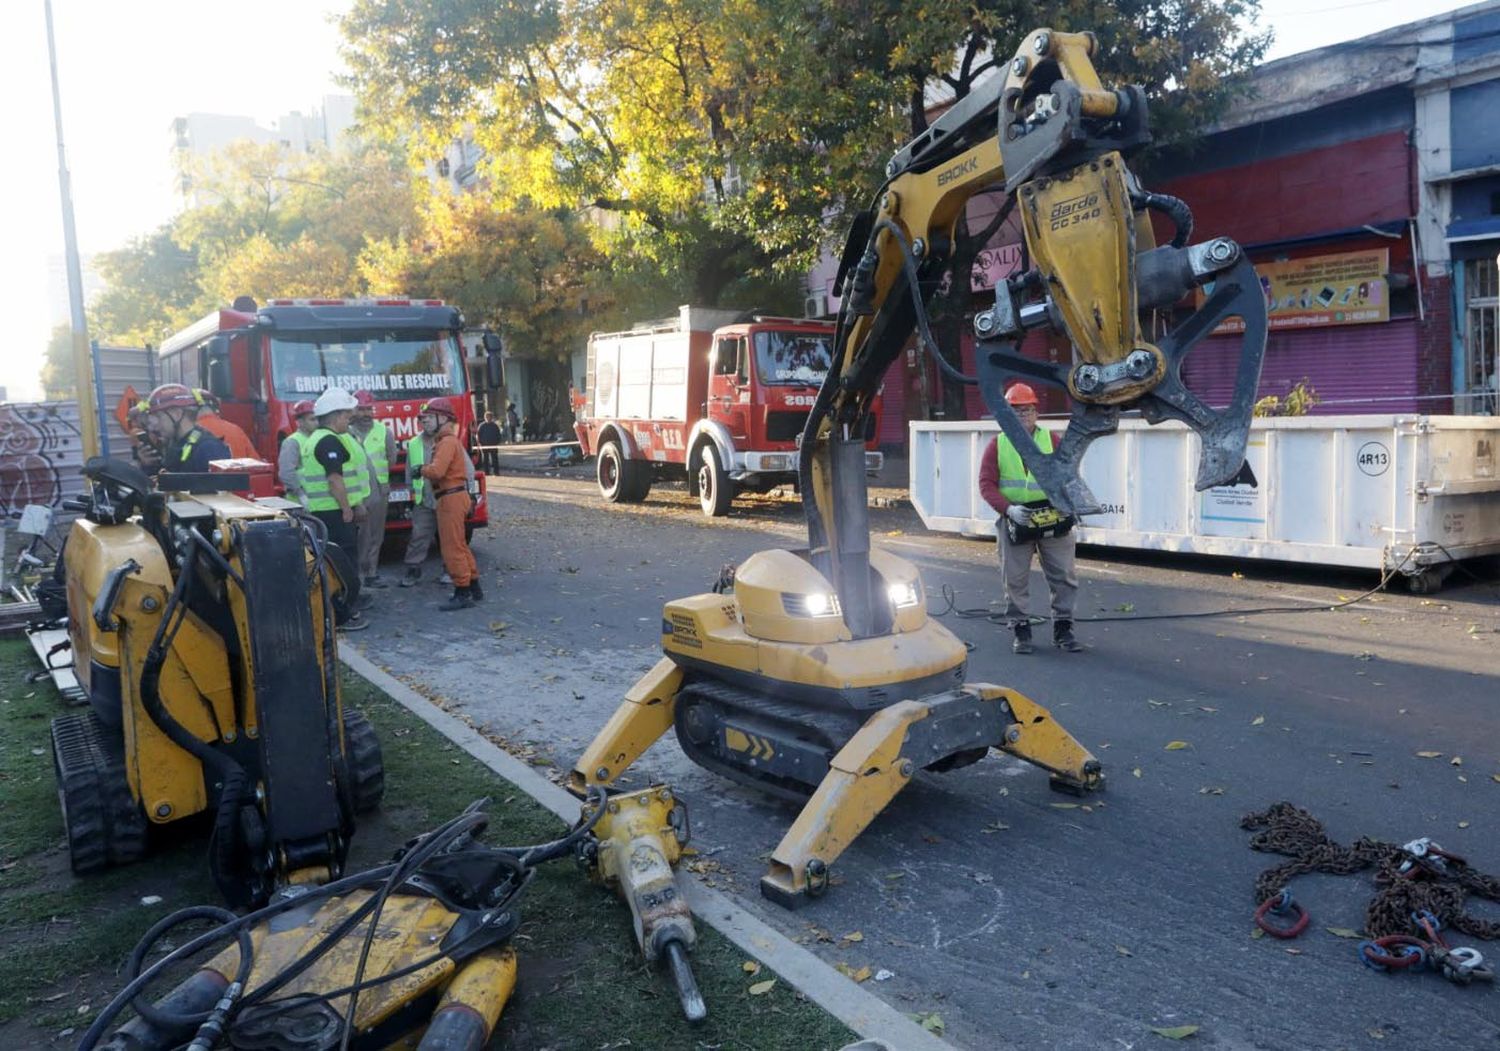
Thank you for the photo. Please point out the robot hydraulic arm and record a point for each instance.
(1052, 138)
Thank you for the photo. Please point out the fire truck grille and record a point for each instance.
(784, 426)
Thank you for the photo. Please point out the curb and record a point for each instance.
(868, 1015)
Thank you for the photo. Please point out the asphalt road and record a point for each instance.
(1021, 922)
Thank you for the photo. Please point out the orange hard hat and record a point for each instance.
(1021, 394)
(442, 407)
(171, 396)
(302, 408)
(365, 399)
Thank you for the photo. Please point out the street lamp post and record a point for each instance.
(88, 421)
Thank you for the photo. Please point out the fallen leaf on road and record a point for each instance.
(1258, 720)
(1294, 952)
(1377, 1034)
(1000, 826)
(1456, 761)
(1211, 790)
(761, 988)
(1342, 932)
(1495, 778)
(1123, 951)
(1125, 607)
(1137, 773)
(1257, 933)
(930, 1021)
(1206, 708)
(1176, 1032)
(1176, 746)
(1428, 755)
(1463, 824)
(883, 975)
(860, 975)
(854, 936)
(1157, 704)
(750, 967)
(1063, 806)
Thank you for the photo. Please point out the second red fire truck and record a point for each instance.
(711, 395)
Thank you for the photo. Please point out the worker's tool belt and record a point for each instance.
(1046, 521)
(448, 492)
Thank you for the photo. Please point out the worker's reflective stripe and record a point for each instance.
(374, 444)
(1016, 483)
(186, 449)
(416, 456)
(356, 472)
(315, 476)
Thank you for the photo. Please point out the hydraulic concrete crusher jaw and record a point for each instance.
(818, 677)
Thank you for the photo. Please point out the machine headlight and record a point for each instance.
(903, 595)
(772, 462)
(817, 604)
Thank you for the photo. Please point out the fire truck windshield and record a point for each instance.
(797, 359)
(391, 365)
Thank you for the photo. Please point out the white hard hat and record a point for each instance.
(332, 400)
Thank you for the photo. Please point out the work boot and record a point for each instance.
(1062, 637)
(375, 582)
(412, 577)
(1022, 642)
(445, 579)
(461, 599)
(354, 623)
(475, 591)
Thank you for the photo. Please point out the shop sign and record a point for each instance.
(1318, 291)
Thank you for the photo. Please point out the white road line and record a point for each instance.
(868, 1015)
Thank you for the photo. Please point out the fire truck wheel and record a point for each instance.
(612, 473)
(715, 490)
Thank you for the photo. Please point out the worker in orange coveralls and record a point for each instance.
(446, 475)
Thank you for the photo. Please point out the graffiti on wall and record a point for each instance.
(41, 454)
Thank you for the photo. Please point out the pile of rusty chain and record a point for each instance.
(1406, 885)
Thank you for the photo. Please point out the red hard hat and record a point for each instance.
(443, 407)
(302, 408)
(171, 396)
(1021, 394)
(365, 398)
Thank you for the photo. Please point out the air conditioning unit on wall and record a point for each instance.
(815, 305)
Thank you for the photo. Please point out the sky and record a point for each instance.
(127, 69)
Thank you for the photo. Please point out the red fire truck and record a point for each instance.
(261, 360)
(707, 394)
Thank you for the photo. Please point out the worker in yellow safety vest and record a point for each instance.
(379, 445)
(1029, 523)
(293, 449)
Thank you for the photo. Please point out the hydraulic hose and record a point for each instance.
(1174, 208)
(154, 1014)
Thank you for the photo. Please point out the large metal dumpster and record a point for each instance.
(1413, 493)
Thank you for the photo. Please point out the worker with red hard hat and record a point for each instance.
(172, 420)
(446, 474)
(1029, 523)
(289, 458)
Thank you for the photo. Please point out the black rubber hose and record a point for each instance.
(130, 992)
(167, 1019)
(1175, 209)
(226, 821)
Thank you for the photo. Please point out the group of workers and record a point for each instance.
(337, 464)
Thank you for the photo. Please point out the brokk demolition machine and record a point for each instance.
(820, 674)
(203, 628)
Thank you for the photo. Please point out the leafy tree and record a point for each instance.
(152, 286)
(59, 377)
(534, 275)
(732, 138)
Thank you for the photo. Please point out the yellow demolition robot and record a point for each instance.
(821, 675)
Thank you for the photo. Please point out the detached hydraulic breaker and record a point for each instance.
(632, 850)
